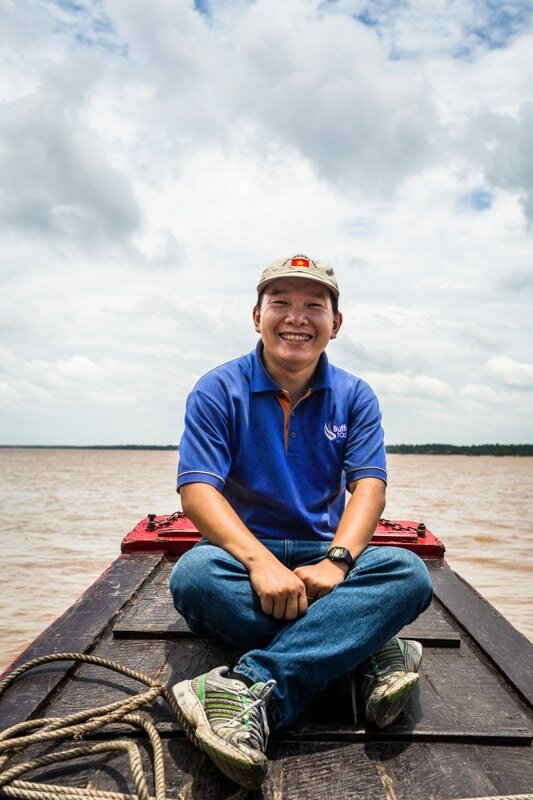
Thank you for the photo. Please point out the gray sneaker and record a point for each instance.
(387, 678)
(228, 721)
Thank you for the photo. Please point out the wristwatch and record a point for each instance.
(340, 554)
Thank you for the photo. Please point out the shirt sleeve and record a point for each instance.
(365, 446)
(204, 452)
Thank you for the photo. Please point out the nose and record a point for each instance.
(296, 316)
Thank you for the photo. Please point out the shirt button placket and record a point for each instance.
(293, 431)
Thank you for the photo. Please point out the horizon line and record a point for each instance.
(175, 446)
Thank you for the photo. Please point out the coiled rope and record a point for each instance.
(75, 727)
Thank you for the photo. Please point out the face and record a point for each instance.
(296, 322)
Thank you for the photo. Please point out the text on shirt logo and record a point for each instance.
(335, 431)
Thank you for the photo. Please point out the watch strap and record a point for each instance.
(337, 553)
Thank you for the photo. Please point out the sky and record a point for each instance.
(156, 157)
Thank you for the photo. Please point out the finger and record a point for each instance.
(323, 592)
(279, 607)
(291, 609)
(267, 604)
(303, 604)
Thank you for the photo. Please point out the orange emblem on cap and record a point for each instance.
(300, 262)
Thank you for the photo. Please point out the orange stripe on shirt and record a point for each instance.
(286, 406)
(285, 403)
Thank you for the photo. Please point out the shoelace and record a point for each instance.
(388, 658)
(256, 716)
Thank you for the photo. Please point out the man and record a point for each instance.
(283, 570)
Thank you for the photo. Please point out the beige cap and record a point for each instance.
(299, 266)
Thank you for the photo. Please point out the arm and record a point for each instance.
(355, 530)
(281, 592)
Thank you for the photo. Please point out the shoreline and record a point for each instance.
(402, 449)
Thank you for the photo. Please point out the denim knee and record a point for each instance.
(187, 580)
(414, 574)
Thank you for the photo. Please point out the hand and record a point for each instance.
(320, 579)
(280, 591)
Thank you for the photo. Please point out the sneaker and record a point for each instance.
(228, 721)
(387, 678)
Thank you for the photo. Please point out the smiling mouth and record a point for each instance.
(296, 337)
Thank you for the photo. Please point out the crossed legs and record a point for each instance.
(387, 589)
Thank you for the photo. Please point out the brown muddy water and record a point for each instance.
(66, 511)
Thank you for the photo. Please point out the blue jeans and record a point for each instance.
(386, 589)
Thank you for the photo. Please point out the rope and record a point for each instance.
(74, 727)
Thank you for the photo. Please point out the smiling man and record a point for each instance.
(284, 571)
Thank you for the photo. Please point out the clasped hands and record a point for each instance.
(287, 594)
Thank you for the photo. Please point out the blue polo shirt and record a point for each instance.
(284, 471)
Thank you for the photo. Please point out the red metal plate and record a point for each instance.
(180, 535)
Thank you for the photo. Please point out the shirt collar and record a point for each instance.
(262, 382)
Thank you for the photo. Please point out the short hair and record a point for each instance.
(334, 301)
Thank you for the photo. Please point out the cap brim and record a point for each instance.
(295, 272)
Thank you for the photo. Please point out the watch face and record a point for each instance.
(336, 552)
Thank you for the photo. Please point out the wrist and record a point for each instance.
(340, 566)
(258, 556)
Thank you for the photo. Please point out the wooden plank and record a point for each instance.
(75, 631)
(417, 771)
(514, 736)
(168, 662)
(509, 651)
(433, 628)
(153, 616)
(158, 619)
(381, 770)
(459, 697)
(459, 692)
(350, 732)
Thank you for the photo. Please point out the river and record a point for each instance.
(66, 511)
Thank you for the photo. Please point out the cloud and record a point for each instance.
(518, 280)
(107, 381)
(56, 181)
(453, 27)
(295, 76)
(502, 142)
(409, 387)
(481, 394)
(511, 373)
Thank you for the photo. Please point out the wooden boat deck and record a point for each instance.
(466, 732)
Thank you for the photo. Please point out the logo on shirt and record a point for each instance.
(334, 432)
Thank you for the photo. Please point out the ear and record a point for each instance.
(337, 322)
(256, 316)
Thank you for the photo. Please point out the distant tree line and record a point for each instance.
(427, 449)
(463, 449)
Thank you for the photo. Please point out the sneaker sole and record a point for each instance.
(228, 759)
(382, 709)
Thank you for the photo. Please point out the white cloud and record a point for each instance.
(414, 388)
(509, 372)
(481, 394)
(109, 381)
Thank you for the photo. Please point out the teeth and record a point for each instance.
(295, 337)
